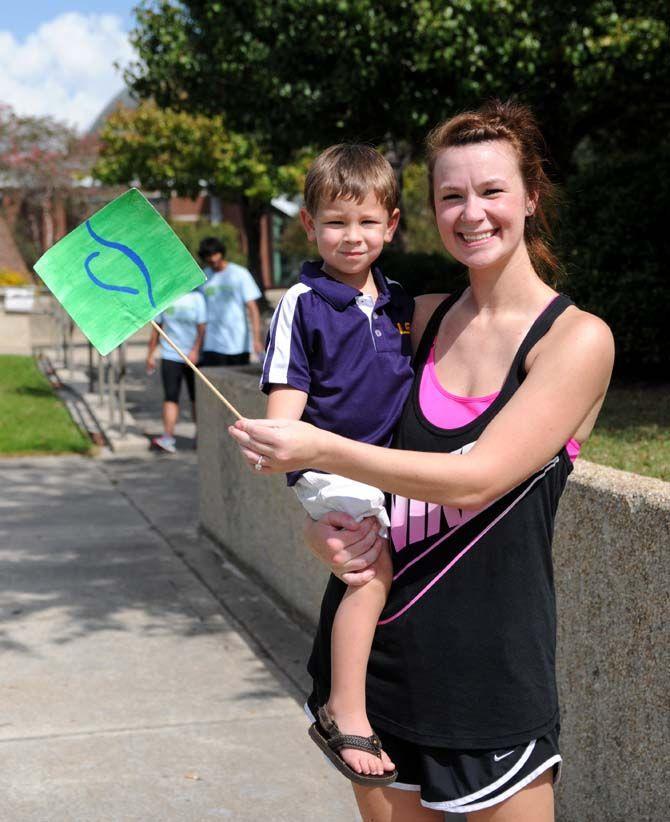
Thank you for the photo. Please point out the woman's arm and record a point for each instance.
(567, 380)
(151, 359)
(254, 317)
(194, 354)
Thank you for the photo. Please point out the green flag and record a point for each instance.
(117, 270)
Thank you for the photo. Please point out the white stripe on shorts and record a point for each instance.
(460, 808)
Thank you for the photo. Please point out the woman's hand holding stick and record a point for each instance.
(284, 445)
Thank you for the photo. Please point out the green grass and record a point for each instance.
(32, 418)
(633, 431)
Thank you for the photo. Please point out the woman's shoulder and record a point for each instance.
(424, 308)
(429, 302)
(583, 328)
(579, 334)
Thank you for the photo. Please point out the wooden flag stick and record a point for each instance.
(197, 370)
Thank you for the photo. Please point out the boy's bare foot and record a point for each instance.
(357, 724)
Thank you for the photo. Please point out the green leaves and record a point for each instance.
(171, 150)
(298, 73)
(176, 151)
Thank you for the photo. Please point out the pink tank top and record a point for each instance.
(446, 410)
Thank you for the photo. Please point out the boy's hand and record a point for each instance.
(150, 365)
(347, 547)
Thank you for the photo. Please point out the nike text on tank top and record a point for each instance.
(464, 653)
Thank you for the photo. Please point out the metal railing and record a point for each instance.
(54, 334)
(111, 379)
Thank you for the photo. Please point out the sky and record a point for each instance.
(57, 57)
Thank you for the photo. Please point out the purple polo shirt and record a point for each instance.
(350, 356)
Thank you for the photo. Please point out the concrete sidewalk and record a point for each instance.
(129, 690)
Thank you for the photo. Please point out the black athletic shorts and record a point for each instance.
(172, 374)
(461, 781)
(214, 358)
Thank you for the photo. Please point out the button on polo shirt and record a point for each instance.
(349, 353)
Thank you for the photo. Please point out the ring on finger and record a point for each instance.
(259, 464)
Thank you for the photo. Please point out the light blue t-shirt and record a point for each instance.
(180, 322)
(227, 292)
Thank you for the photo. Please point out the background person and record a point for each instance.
(184, 322)
(510, 377)
(233, 318)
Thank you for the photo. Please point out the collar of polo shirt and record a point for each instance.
(338, 294)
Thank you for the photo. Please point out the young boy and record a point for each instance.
(338, 356)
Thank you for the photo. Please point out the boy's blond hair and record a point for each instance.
(350, 171)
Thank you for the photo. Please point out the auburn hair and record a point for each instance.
(514, 122)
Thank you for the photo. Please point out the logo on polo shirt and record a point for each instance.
(403, 328)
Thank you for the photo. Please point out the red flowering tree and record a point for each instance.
(42, 158)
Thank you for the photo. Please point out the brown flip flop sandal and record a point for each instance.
(325, 733)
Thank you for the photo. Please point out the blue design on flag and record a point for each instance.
(124, 249)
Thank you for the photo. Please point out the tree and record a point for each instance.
(176, 151)
(596, 72)
(43, 158)
(302, 73)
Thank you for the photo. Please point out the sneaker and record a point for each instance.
(165, 443)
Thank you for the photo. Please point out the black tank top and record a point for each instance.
(464, 653)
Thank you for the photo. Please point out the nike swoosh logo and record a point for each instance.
(498, 758)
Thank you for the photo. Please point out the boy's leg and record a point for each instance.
(393, 805)
(351, 641)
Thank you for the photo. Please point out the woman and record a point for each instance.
(510, 377)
